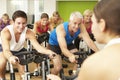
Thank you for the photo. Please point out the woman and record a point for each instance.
(4, 21)
(41, 27)
(55, 20)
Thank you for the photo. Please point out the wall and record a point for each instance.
(31, 7)
(3, 9)
(49, 6)
(66, 7)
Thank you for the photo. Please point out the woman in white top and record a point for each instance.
(13, 38)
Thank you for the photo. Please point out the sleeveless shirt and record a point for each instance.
(53, 37)
(16, 46)
(39, 28)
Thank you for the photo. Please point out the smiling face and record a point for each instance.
(20, 24)
(44, 21)
(55, 17)
(87, 18)
(75, 24)
(5, 19)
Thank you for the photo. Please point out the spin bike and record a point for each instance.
(28, 57)
(82, 55)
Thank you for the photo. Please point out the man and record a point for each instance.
(61, 39)
(13, 38)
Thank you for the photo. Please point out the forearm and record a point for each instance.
(7, 54)
(93, 46)
(66, 52)
(43, 50)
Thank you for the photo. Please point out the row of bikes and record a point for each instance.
(32, 55)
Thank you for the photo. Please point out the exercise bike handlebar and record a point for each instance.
(25, 53)
(79, 60)
(31, 56)
(80, 53)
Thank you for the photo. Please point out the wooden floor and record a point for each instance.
(31, 69)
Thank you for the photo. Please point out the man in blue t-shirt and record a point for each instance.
(61, 38)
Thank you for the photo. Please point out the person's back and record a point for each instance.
(103, 65)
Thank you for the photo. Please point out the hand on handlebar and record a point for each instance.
(52, 54)
(14, 60)
(72, 58)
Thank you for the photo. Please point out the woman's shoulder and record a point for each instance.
(106, 54)
(104, 62)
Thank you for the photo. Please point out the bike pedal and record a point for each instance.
(64, 65)
(36, 73)
(70, 72)
(51, 65)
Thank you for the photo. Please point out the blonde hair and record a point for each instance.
(56, 13)
(5, 15)
(75, 14)
(87, 11)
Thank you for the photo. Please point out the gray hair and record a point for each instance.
(75, 14)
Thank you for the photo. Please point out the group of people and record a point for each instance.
(102, 65)
(46, 25)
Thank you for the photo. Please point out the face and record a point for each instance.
(75, 24)
(87, 17)
(44, 21)
(5, 19)
(56, 17)
(96, 30)
(20, 24)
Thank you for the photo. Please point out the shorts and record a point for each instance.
(57, 49)
(20, 56)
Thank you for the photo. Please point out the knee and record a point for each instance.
(58, 68)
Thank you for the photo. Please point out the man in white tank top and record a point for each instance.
(13, 38)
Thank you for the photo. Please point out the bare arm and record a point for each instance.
(31, 36)
(35, 28)
(87, 39)
(62, 42)
(5, 37)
